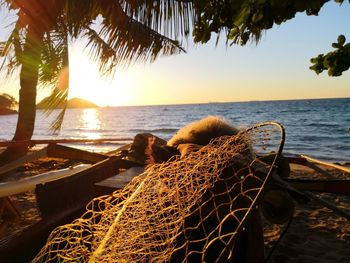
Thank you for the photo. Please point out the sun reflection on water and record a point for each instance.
(91, 123)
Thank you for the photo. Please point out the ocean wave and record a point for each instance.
(161, 130)
(317, 138)
(320, 125)
(105, 143)
(88, 130)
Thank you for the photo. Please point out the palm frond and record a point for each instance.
(56, 100)
(11, 50)
(124, 47)
(123, 40)
(56, 125)
(79, 15)
(53, 58)
(54, 62)
(172, 18)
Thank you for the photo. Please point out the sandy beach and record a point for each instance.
(316, 233)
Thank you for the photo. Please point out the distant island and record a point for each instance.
(74, 103)
(4, 111)
(7, 104)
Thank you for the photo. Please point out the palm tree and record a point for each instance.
(129, 31)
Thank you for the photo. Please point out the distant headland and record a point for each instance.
(7, 104)
(4, 111)
(74, 103)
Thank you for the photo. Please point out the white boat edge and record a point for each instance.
(27, 184)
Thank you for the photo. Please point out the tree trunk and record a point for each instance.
(29, 75)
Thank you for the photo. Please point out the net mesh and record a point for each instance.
(189, 208)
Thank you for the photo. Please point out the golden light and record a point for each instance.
(90, 123)
(86, 83)
(137, 85)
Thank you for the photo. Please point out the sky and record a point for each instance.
(275, 69)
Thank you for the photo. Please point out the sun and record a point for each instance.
(137, 85)
(85, 82)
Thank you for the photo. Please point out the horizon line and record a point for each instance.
(219, 102)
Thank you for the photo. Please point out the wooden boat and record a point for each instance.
(27, 184)
(330, 185)
(61, 195)
(63, 200)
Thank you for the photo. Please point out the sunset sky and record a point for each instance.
(276, 68)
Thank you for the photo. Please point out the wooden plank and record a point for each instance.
(318, 169)
(29, 183)
(339, 167)
(312, 163)
(65, 152)
(23, 160)
(124, 148)
(296, 160)
(326, 186)
(35, 142)
(118, 181)
(77, 189)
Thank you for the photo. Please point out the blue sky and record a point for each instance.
(276, 68)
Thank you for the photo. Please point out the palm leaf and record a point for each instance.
(168, 17)
(56, 100)
(54, 61)
(11, 50)
(113, 46)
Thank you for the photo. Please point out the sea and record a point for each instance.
(319, 128)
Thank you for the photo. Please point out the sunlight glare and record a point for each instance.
(63, 79)
(90, 123)
(86, 83)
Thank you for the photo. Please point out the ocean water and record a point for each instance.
(318, 128)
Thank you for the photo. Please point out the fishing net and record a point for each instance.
(187, 209)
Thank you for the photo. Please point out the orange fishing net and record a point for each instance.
(187, 209)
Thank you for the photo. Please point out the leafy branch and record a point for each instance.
(335, 62)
